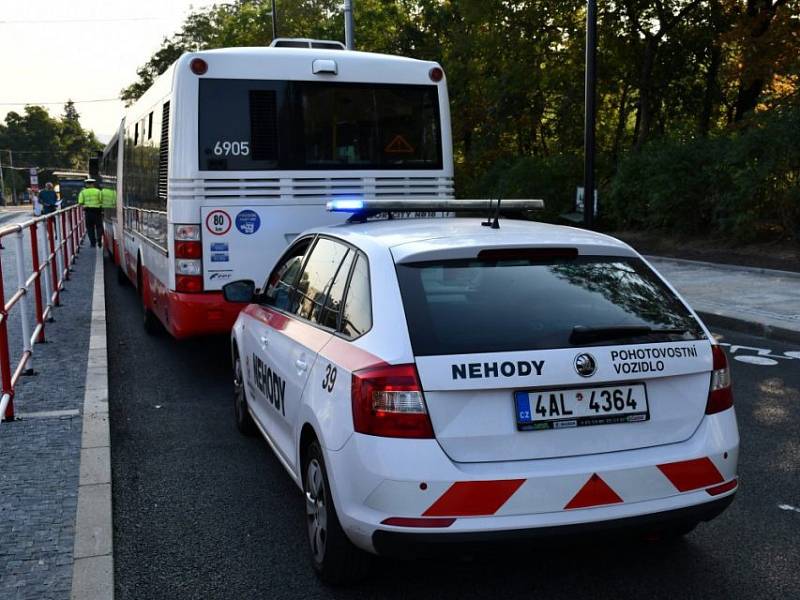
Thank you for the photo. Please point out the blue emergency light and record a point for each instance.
(368, 206)
(345, 205)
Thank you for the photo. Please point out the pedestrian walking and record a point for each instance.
(48, 199)
(92, 202)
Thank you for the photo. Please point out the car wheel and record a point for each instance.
(244, 422)
(334, 557)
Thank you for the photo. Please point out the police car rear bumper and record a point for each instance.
(404, 544)
(374, 479)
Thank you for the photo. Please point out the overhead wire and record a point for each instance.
(79, 20)
(93, 100)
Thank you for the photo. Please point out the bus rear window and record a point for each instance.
(297, 125)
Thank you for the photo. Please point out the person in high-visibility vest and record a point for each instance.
(91, 200)
(109, 197)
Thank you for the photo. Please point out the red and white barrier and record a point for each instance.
(54, 242)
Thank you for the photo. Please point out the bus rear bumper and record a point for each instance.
(207, 313)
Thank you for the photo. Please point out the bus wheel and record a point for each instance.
(150, 321)
(152, 326)
(122, 278)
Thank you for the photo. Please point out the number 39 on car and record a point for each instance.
(436, 381)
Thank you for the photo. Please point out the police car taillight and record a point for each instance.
(388, 402)
(720, 395)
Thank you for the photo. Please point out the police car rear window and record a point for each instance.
(501, 305)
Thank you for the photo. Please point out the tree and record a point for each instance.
(673, 73)
(39, 140)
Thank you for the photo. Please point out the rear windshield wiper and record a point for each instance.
(581, 333)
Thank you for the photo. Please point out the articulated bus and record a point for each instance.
(233, 152)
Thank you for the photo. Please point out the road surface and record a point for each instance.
(202, 512)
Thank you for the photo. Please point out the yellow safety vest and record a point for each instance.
(108, 198)
(90, 198)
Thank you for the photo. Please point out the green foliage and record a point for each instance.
(689, 95)
(552, 178)
(39, 140)
(745, 184)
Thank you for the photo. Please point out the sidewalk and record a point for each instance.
(758, 301)
(40, 454)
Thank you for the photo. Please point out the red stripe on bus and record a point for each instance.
(594, 492)
(692, 474)
(473, 498)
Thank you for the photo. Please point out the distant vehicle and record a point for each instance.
(233, 152)
(430, 382)
(70, 184)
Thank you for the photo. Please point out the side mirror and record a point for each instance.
(242, 291)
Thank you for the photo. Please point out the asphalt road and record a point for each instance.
(202, 512)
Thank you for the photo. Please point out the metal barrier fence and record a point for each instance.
(55, 241)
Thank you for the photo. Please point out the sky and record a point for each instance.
(52, 50)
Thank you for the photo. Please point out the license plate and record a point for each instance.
(578, 407)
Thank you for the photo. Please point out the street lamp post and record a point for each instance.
(2, 182)
(348, 24)
(13, 178)
(274, 16)
(589, 119)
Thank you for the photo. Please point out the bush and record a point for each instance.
(552, 179)
(745, 185)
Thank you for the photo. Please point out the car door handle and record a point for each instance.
(264, 341)
(301, 365)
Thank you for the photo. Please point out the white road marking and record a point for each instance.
(763, 357)
(50, 414)
(789, 507)
(756, 360)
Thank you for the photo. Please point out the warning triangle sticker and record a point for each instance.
(595, 492)
(399, 145)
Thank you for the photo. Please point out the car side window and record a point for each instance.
(328, 315)
(317, 276)
(279, 291)
(357, 313)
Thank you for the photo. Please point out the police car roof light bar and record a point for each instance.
(371, 206)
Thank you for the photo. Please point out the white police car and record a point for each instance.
(435, 380)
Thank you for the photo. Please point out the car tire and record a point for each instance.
(335, 559)
(244, 421)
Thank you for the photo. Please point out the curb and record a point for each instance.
(92, 557)
(780, 334)
(724, 266)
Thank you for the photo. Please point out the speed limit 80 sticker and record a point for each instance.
(218, 222)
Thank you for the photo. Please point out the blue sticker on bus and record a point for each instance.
(219, 247)
(219, 258)
(248, 222)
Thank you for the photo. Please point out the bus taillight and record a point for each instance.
(188, 250)
(191, 284)
(188, 259)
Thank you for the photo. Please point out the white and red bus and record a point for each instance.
(233, 152)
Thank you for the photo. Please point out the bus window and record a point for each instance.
(307, 125)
